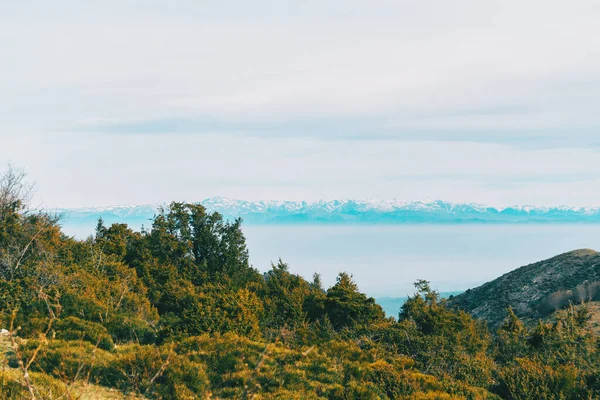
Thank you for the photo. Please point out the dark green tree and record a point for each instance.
(347, 307)
(285, 297)
(203, 246)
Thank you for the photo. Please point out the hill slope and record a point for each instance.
(529, 289)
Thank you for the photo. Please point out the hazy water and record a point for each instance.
(386, 259)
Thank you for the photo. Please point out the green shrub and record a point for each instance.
(73, 328)
(45, 387)
(526, 379)
(68, 360)
(125, 328)
(155, 372)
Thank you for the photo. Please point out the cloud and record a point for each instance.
(132, 101)
(306, 61)
(518, 128)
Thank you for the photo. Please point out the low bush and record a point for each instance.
(73, 328)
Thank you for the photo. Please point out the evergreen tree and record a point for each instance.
(347, 307)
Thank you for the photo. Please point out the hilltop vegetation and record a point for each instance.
(177, 312)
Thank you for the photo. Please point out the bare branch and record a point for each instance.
(16, 348)
(161, 371)
(15, 193)
(18, 264)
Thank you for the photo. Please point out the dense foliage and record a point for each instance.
(177, 312)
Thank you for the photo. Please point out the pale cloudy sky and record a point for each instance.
(114, 102)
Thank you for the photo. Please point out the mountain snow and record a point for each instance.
(348, 211)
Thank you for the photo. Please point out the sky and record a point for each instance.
(136, 102)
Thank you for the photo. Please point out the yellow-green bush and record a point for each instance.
(73, 328)
(44, 386)
(156, 372)
(528, 379)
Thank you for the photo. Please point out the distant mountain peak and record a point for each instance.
(358, 211)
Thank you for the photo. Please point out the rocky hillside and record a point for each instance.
(536, 290)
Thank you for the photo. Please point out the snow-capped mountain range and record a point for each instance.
(346, 211)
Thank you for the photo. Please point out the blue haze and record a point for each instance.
(386, 260)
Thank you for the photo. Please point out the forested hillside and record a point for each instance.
(177, 312)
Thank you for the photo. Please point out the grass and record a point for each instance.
(80, 390)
